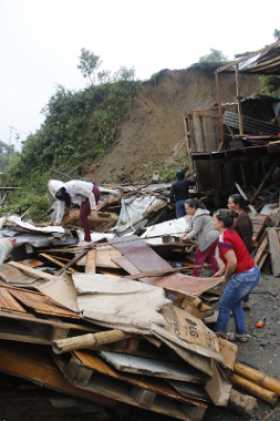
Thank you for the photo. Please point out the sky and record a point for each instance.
(41, 42)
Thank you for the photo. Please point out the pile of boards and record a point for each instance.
(115, 324)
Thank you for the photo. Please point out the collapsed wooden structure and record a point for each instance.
(237, 141)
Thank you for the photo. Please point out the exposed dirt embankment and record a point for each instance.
(151, 137)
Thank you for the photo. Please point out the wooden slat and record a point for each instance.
(274, 249)
(8, 302)
(91, 261)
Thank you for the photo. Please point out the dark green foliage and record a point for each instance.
(215, 56)
(79, 127)
(88, 65)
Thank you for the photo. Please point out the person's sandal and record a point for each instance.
(242, 338)
(231, 336)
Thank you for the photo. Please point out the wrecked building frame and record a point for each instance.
(248, 156)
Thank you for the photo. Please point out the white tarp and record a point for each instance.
(118, 302)
(174, 227)
(136, 209)
(28, 227)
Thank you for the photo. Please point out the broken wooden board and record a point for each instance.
(8, 302)
(59, 289)
(105, 256)
(14, 276)
(130, 394)
(96, 364)
(91, 261)
(274, 249)
(38, 302)
(150, 367)
(261, 251)
(259, 223)
(25, 327)
(36, 365)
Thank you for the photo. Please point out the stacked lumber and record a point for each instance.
(115, 324)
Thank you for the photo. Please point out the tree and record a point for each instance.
(215, 56)
(88, 65)
(276, 34)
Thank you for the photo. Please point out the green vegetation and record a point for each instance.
(215, 56)
(78, 128)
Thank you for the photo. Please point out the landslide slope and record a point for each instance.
(151, 138)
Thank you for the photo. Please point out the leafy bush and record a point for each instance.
(79, 127)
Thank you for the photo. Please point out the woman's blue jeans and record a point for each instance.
(180, 208)
(239, 286)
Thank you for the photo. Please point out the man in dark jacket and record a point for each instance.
(180, 192)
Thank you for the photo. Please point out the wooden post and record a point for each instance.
(88, 341)
(241, 128)
(258, 377)
(91, 261)
(274, 250)
(220, 111)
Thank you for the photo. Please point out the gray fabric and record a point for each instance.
(202, 229)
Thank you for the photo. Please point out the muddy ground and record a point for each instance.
(262, 352)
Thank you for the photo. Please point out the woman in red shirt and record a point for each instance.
(239, 270)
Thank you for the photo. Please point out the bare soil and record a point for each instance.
(152, 136)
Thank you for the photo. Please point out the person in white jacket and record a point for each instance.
(75, 192)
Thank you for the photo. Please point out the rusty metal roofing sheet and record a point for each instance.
(142, 256)
(264, 61)
(185, 284)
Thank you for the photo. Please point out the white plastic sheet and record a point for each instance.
(136, 209)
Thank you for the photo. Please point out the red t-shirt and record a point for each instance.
(230, 240)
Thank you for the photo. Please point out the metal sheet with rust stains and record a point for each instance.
(142, 256)
(185, 284)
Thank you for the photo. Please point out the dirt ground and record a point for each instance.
(152, 137)
(263, 350)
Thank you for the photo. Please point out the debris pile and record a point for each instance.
(117, 324)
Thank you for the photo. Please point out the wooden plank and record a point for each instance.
(26, 362)
(59, 289)
(55, 261)
(8, 302)
(98, 365)
(40, 304)
(91, 261)
(261, 250)
(274, 249)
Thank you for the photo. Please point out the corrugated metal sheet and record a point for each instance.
(264, 61)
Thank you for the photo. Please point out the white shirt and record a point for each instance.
(78, 190)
